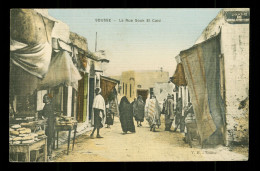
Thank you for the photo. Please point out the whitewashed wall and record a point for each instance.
(235, 48)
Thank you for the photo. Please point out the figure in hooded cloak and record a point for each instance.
(126, 115)
(138, 109)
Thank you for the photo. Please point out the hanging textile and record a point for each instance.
(107, 87)
(61, 31)
(34, 59)
(61, 71)
(179, 76)
(201, 67)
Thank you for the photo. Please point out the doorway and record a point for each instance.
(143, 93)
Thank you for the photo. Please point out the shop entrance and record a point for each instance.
(143, 93)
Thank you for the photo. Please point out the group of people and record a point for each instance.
(138, 110)
(172, 113)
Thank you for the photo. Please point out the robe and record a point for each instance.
(138, 109)
(126, 115)
(152, 112)
(169, 112)
(98, 105)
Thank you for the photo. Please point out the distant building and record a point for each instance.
(134, 83)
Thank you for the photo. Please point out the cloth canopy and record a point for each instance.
(61, 71)
(61, 31)
(201, 67)
(179, 76)
(34, 59)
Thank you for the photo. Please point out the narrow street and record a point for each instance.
(141, 146)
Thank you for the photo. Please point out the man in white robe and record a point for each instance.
(98, 114)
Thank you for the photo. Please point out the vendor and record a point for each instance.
(49, 131)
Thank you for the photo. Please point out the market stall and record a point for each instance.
(64, 123)
(23, 141)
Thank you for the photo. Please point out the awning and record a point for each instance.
(34, 59)
(179, 76)
(61, 71)
(201, 67)
(107, 85)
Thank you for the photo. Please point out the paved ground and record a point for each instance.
(143, 146)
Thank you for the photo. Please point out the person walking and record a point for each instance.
(152, 112)
(99, 109)
(169, 112)
(126, 115)
(138, 109)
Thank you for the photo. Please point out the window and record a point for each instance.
(125, 89)
(151, 90)
(130, 90)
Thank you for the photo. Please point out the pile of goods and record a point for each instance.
(31, 125)
(65, 122)
(21, 120)
(23, 135)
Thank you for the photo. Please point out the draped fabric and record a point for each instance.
(107, 88)
(179, 76)
(152, 112)
(28, 64)
(34, 59)
(126, 115)
(61, 71)
(201, 66)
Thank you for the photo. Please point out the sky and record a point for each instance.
(138, 45)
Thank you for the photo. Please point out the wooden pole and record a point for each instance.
(96, 43)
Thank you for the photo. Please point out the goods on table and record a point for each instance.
(40, 133)
(16, 126)
(28, 142)
(31, 125)
(16, 142)
(17, 139)
(21, 129)
(65, 122)
(14, 133)
(26, 131)
(22, 135)
(27, 138)
(11, 129)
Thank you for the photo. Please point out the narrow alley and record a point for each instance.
(143, 145)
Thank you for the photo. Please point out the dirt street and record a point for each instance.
(143, 145)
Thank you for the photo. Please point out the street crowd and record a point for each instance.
(138, 110)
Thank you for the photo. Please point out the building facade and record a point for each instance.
(134, 83)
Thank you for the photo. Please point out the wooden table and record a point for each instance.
(61, 128)
(27, 148)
